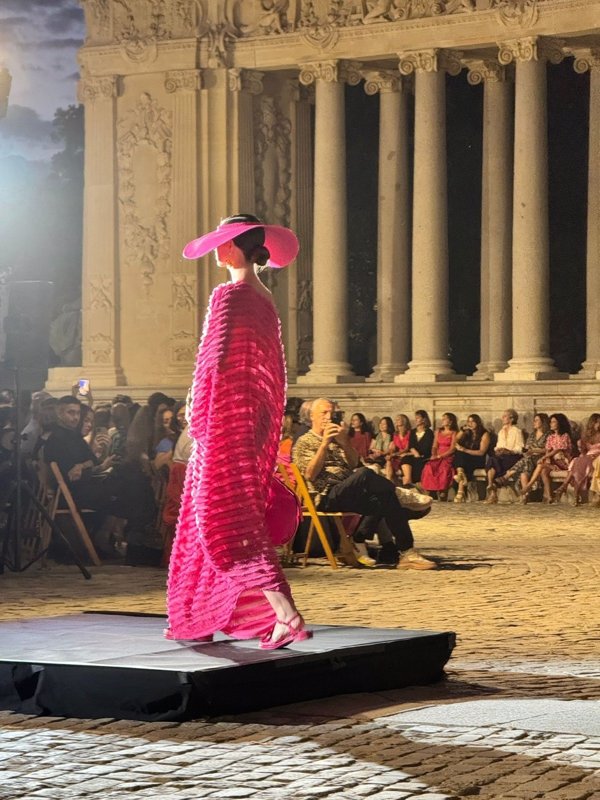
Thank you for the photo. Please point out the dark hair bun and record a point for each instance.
(259, 255)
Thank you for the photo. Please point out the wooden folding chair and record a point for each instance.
(310, 511)
(73, 511)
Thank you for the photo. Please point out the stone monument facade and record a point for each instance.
(195, 109)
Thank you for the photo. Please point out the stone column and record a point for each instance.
(496, 217)
(300, 283)
(590, 60)
(530, 284)
(393, 237)
(430, 332)
(330, 284)
(100, 277)
(184, 85)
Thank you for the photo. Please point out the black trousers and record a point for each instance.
(374, 497)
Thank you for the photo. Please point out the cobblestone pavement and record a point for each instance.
(517, 717)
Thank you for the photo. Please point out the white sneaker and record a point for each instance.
(412, 559)
(363, 557)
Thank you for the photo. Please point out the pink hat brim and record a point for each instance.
(281, 242)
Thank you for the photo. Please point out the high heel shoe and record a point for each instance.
(525, 496)
(294, 634)
(492, 496)
(459, 497)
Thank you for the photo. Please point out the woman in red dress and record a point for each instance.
(224, 574)
(437, 475)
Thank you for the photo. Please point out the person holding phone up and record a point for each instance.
(330, 464)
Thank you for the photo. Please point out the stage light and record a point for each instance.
(5, 82)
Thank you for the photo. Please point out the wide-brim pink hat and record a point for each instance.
(281, 242)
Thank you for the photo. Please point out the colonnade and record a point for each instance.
(514, 226)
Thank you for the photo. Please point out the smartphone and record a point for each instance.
(84, 386)
(337, 417)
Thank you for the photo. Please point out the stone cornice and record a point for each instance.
(431, 60)
(531, 48)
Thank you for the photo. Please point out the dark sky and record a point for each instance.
(39, 40)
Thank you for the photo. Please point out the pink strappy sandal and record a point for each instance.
(294, 634)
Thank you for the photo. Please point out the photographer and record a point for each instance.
(329, 462)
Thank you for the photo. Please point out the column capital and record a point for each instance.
(383, 81)
(331, 72)
(91, 89)
(586, 59)
(183, 80)
(432, 60)
(485, 71)
(245, 80)
(531, 48)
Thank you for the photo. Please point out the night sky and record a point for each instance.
(39, 40)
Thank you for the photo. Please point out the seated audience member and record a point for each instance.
(560, 449)
(48, 420)
(508, 450)
(581, 467)
(116, 494)
(360, 434)
(380, 447)
(100, 441)
(164, 438)
(420, 443)
(118, 433)
(329, 462)
(304, 423)
(284, 453)
(86, 422)
(33, 428)
(181, 456)
(399, 448)
(535, 447)
(78, 465)
(437, 475)
(472, 445)
(179, 421)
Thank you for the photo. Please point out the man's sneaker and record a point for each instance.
(366, 561)
(412, 559)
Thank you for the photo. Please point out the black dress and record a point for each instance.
(424, 446)
(468, 461)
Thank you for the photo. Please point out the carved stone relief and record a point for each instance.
(183, 347)
(145, 130)
(101, 291)
(272, 150)
(183, 292)
(517, 13)
(91, 89)
(100, 349)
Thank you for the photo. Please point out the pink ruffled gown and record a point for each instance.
(223, 558)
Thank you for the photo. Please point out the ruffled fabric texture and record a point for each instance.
(223, 558)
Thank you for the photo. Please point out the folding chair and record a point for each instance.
(310, 511)
(75, 513)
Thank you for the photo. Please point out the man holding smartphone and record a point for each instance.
(331, 467)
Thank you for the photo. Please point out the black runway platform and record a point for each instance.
(119, 665)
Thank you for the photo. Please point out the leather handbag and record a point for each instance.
(284, 512)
